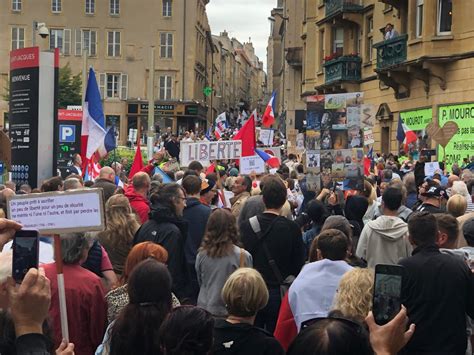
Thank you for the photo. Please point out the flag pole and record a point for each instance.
(61, 289)
(151, 104)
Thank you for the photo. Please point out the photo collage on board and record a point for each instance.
(335, 130)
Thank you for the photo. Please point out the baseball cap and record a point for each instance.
(434, 191)
(207, 185)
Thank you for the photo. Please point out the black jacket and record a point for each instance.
(284, 243)
(438, 291)
(196, 215)
(170, 231)
(243, 339)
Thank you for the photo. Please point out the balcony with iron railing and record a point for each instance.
(391, 52)
(343, 68)
(334, 6)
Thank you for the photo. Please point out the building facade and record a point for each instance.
(117, 37)
(416, 72)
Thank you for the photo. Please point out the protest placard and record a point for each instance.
(59, 212)
(266, 136)
(431, 167)
(252, 164)
(205, 151)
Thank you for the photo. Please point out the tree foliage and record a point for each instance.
(69, 87)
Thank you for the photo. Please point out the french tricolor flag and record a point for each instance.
(94, 137)
(221, 125)
(269, 114)
(270, 160)
(405, 135)
(310, 296)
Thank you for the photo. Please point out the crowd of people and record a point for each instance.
(217, 262)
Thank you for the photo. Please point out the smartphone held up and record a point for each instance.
(25, 253)
(387, 292)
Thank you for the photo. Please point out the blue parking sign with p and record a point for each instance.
(67, 133)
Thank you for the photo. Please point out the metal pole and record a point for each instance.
(84, 74)
(151, 105)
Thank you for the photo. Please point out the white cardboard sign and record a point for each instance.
(252, 164)
(59, 212)
(266, 136)
(431, 167)
(205, 151)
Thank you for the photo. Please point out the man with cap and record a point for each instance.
(208, 191)
(433, 198)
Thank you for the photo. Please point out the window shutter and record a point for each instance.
(78, 40)
(93, 43)
(102, 79)
(67, 42)
(124, 86)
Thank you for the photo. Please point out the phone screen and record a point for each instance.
(25, 253)
(387, 292)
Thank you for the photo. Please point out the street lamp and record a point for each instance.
(41, 29)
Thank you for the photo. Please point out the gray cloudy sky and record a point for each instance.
(243, 19)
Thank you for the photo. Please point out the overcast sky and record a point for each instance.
(243, 19)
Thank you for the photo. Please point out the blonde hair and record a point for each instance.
(459, 187)
(457, 205)
(354, 295)
(121, 222)
(245, 293)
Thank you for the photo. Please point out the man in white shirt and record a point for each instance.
(390, 32)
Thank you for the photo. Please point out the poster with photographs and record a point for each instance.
(313, 140)
(313, 182)
(335, 139)
(313, 161)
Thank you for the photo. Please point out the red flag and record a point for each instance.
(247, 136)
(269, 115)
(137, 164)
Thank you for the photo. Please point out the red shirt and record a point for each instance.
(86, 307)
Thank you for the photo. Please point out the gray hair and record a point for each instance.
(73, 246)
(72, 184)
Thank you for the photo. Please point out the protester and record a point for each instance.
(218, 257)
(118, 297)
(444, 280)
(121, 226)
(72, 183)
(172, 146)
(187, 331)
(457, 205)
(137, 194)
(284, 250)
(434, 198)
(459, 187)
(208, 192)
(106, 181)
(86, 308)
(167, 228)
(317, 213)
(241, 189)
(385, 241)
(136, 328)
(353, 299)
(307, 298)
(196, 215)
(324, 336)
(244, 294)
(76, 167)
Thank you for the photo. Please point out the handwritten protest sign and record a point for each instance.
(59, 212)
(205, 151)
(266, 136)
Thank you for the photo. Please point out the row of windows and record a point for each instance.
(86, 39)
(114, 6)
(115, 86)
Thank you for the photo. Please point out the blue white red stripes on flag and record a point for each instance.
(221, 125)
(270, 160)
(269, 115)
(94, 137)
(405, 135)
